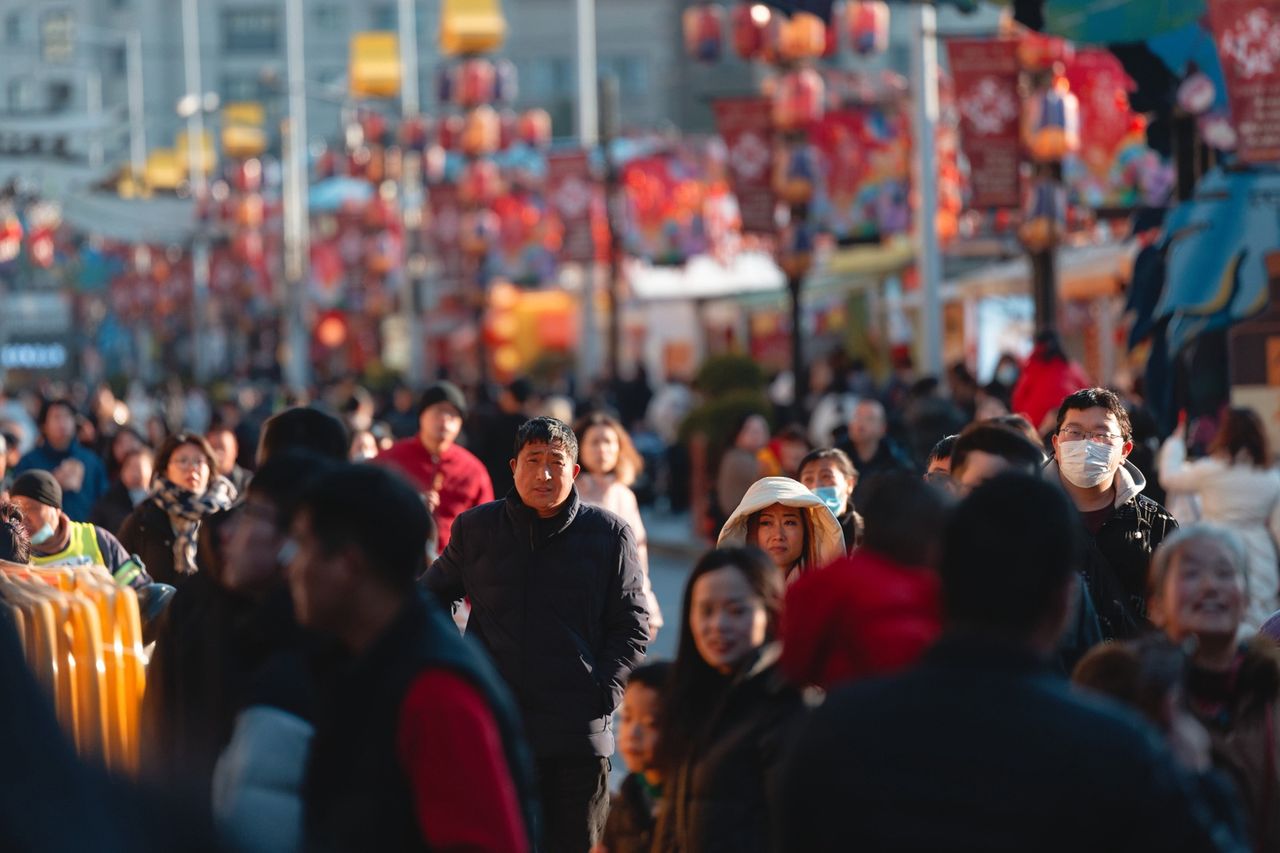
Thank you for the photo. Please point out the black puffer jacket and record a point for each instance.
(1119, 556)
(721, 797)
(631, 818)
(559, 605)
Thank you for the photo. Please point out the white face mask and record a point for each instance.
(1087, 463)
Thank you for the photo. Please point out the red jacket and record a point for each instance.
(861, 616)
(459, 477)
(1043, 385)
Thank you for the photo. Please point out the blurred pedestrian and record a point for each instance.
(364, 446)
(557, 599)
(789, 523)
(417, 743)
(782, 456)
(79, 472)
(938, 466)
(870, 448)
(1047, 377)
(1239, 489)
(449, 477)
(633, 813)
(830, 475)
(1091, 444)
(130, 489)
(163, 529)
(729, 710)
(919, 761)
(740, 465)
(494, 432)
(125, 441)
(226, 450)
(610, 465)
(877, 611)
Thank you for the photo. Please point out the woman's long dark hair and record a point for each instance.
(694, 684)
(1242, 430)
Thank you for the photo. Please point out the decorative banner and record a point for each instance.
(1247, 34)
(986, 81)
(866, 153)
(746, 126)
(571, 194)
(446, 216)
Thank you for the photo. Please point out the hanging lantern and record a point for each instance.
(534, 128)
(795, 175)
(451, 132)
(1044, 216)
(476, 83)
(415, 133)
(481, 182)
(1217, 132)
(703, 24)
(1051, 123)
(795, 252)
(867, 22)
(506, 82)
(481, 132)
(247, 176)
(749, 22)
(803, 36)
(477, 231)
(1196, 94)
(10, 238)
(249, 212)
(1039, 52)
(798, 100)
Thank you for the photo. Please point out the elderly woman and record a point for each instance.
(162, 529)
(789, 523)
(1199, 598)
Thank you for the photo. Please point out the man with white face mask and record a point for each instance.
(1091, 449)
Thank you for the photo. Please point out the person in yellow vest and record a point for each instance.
(56, 540)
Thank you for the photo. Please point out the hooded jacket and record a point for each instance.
(827, 544)
(1119, 555)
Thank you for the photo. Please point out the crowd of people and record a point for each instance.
(933, 617)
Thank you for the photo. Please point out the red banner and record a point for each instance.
(571, 194)
(986, 82)
(1247, 34)
(746, 126)
(446, 219)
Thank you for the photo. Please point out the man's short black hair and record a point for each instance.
(304, 428)
(1101, 398)
(374, 510)
(998, 440)
(49, 405)
(903, 518)
(546, 431)
(1009, 548)
(943, 449)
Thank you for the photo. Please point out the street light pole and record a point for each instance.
(296, 222)
(924, 84)
(137, 121)
(588, 137)
(196, 176)
(411, 198)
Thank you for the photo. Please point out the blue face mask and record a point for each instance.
(43, 535)
(832, 498)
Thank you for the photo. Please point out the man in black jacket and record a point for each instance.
(1091, 450)
(984, 746)
(556, 598)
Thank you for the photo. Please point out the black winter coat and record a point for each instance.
(356, 795)
(984, 748)
(1117, 563)
(631, 818)
(112, 509)
(559, 605)
(148, 533)
(721, 799)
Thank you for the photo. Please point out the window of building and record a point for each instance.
(59, 96)
(632, 73)
(384, 16)
(119, 60)
(56, 44)
(242, 87)
(253, 29)
(21, 94)
(547, 77)
(330, 17)
(13, 28)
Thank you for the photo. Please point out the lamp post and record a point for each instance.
(296, 216)
(411, 197)
(192, 106)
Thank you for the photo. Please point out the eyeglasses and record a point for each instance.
(1072, 434)
(188, 461)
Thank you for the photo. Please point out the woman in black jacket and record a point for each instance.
(728, 709)
(163, 529)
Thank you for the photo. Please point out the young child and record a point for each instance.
(632, 816)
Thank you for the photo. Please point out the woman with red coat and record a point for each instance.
(1047, 379)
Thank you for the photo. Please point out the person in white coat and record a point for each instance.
(1237, 489)
(789, 523)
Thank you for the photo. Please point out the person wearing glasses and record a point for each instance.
(1091, 446)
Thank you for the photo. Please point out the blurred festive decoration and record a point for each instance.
(802, 36)
(244, 130)
(1044, 216)
(750, 23)
(799, 99)
(1196, 94)
(1039, 52)
(867, 24)
(471, 27)
(703, 25)
(373, 69)
(1051, 123)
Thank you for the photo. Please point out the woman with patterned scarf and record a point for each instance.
(163, 529)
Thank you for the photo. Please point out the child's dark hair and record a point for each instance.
(653, 675)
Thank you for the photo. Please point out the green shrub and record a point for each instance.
(725, 374)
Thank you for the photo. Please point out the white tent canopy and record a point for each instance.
(705, 277)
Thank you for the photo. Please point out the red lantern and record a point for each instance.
(415, 133)
(477, 83)
(534, 128)
(249, 212)
(703, 25)
(481, 182)
(1051, 123)
(481, 132)
(478, 231)
(451, 132)
(868, 26)
(798, 99)
(1039, 52)
(804, 36)
(750, 22)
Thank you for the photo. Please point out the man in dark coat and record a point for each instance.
(872, 450)
(417, 743)
(77, 469)
(984, 746)
(557, 599)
